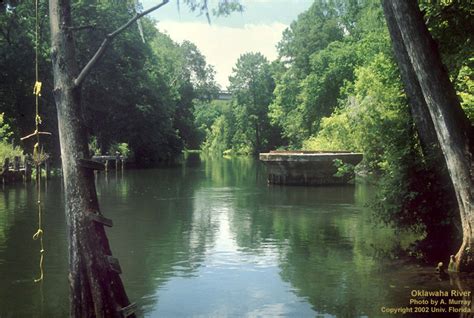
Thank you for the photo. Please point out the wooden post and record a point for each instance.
(117, 157)
(6, 165)
(106, 165)
(16, 163)
(27, 164)
(6, 168)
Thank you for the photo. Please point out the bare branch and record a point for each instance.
(36, 133)
(108, 38)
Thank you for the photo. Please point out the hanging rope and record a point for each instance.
(38, 155)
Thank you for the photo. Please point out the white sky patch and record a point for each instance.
(222, 45)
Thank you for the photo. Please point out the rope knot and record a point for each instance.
(38, 234)
(37, 88)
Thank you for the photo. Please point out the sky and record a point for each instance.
(257, 29)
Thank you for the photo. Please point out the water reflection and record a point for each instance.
(19, 254)
(211, 238)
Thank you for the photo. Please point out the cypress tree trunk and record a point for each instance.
(95, 289)
(452, 127)
(419, 110)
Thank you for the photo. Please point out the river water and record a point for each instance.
(209, 238)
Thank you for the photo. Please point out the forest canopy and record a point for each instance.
(149, 107)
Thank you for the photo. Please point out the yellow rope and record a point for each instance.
(36, 151)
(38, 155)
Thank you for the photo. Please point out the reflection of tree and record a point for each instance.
(154, 233)
(155, 236)
(10, 201)
(19, 255)
(327, 248)
(237, 172)
(465, 285)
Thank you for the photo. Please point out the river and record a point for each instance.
(209, 238)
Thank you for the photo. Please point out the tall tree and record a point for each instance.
(96, 289)
(452, 127)
(317, 54)
(196, 85)
(252, 85)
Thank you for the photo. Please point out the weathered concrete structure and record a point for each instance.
(307, 167)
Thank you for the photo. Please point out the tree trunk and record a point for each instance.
(419, 110)
(452, 127)
(95, 289)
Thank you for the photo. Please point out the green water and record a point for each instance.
(209, 238)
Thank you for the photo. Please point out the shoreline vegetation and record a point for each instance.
(335, 85)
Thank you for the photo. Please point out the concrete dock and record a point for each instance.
(308, 167)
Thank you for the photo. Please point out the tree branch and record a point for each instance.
(108, 38)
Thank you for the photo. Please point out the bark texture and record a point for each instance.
(452, 127)
(418, 108)
(421, 116)
(95, 289)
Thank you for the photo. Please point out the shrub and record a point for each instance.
(7, 149)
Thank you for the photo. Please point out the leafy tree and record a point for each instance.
(17, 71)
(7, 149)
(317, 55)
(198, 86)
(330, 67)
(198, 72)
(205, 114)
(451, 25)
(219, 136)
(310, 33)
(284, 112)
(251, 85)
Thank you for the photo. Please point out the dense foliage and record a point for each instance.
(7, 149)
(142, 93)
(242, 125)
(451, 23)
